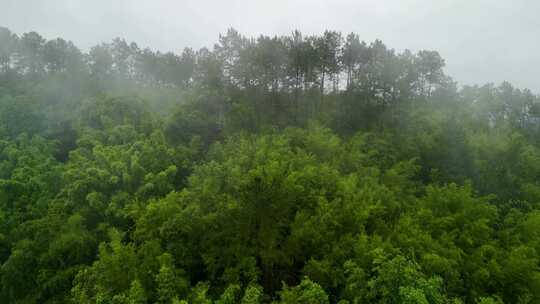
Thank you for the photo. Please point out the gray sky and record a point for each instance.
(481, 40)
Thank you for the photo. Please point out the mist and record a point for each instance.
(482, 41)
(258, 152)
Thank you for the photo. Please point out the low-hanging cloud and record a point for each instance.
(482, 41)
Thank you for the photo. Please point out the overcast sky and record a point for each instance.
(481, 40)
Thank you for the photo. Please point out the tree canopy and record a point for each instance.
(271, 169)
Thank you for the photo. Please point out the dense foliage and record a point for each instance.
(294, 169)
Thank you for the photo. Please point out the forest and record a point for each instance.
(309, 169)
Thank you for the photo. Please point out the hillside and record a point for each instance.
(290, 169)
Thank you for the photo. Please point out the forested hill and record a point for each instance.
(294, 169)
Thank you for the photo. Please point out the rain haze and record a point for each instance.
(481, 41)
(269, 151)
